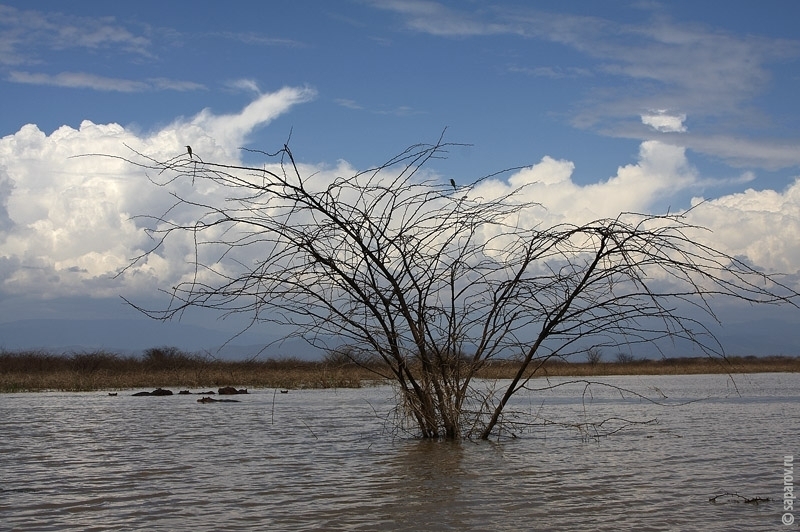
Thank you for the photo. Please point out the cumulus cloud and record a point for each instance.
(761, 225)
(66, 222)
(662, 170)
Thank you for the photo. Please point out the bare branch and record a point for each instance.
(390, 262)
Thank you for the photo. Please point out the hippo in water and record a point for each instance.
(157, 391)
(230, 390)
(210, 400)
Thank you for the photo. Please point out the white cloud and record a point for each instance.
(349, 104)
(231, 129)
(66, 222)
(772, 154)
(23, 34)
(247, 85)
(711, 74)
(553, 72)
(762, 225)
(715, 69)
(661, 120)
(436, 19)
(661, 171)
(259, 39)
(78, 80)
(84, 80)
(174, 84)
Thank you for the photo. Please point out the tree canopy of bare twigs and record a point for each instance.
(435, 280)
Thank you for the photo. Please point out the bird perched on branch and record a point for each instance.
(453, 182)
(189, 149)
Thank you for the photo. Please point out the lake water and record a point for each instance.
(332, 460)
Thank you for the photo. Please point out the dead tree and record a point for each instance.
(437, 282)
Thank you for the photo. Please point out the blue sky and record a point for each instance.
(675, 100)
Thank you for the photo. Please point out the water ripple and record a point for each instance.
(326, 460)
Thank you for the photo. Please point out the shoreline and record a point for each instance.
(170, 368)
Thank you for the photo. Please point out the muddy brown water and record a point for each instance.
(332, 460)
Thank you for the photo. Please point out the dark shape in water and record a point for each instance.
(230, 390)
(210, 400)
(157, 391)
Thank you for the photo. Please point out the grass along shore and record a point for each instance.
(26, 371)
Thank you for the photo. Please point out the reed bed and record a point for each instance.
(38, 371)
(170, 368)
(664, 366)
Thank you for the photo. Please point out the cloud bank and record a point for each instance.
(67, 223)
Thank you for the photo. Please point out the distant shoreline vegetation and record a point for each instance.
(26, 371)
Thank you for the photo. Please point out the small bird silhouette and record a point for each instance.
(189, 149)
(453, 182)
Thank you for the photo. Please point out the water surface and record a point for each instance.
(334, 460)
